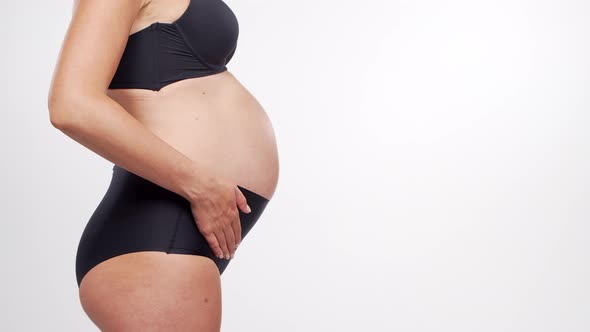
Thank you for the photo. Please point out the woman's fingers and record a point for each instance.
(230, 240)
(213, 243)
(237, 229)
(241, 201)
(242, 204)
(222, 239)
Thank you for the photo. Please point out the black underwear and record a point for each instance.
(138, 215)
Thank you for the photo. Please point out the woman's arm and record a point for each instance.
(79, 106)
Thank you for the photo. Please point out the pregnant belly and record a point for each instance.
(215, 121)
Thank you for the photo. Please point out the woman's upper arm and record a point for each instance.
(91, 49)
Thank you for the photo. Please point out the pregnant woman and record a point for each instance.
(144, 84)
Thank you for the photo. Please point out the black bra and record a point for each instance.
(199, 43)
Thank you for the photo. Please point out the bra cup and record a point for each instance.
(175, 59)
(211, 30)
(231, 54)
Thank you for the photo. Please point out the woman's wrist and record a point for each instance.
(193, 182)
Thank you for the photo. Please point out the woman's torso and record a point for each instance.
(214, 120)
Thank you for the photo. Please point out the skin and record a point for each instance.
(199, 137)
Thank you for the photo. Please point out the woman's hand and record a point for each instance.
(217, 217)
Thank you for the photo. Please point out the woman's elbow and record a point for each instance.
(63, 109)
(56, 113)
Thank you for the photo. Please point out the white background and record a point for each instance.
(434, 169)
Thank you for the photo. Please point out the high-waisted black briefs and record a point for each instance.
(138, 215)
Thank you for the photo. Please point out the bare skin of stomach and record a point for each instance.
(215, 121)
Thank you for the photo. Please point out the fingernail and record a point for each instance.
(249, 209)
(232, 255)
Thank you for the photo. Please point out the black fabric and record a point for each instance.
(137, 215)
(199, 43)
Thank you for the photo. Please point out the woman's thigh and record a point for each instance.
(153, 291)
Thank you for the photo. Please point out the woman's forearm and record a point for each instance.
(105, 127)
